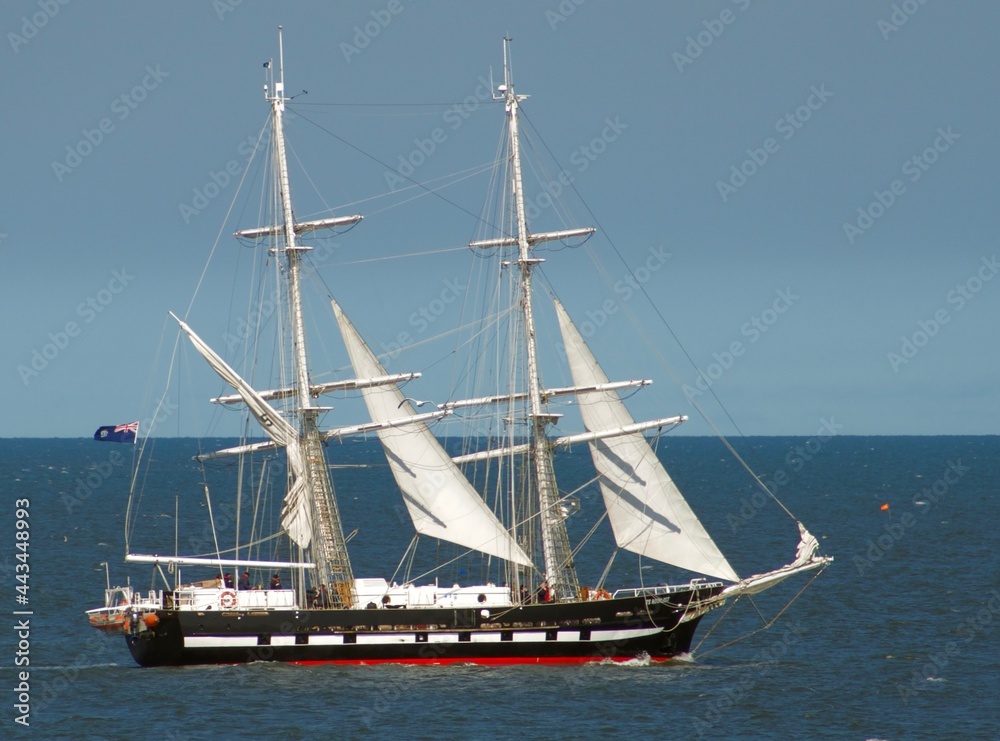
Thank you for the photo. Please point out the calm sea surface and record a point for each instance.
(898, 639)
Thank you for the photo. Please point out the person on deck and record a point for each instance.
(276, 581)
(228, 578)
(543, 593)
(244, 580)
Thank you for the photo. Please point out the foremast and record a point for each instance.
(328, 545)
(560, 573)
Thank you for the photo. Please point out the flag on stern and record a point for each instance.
(117, 433)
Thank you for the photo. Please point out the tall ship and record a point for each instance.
(495, 499)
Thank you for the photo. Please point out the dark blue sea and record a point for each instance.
(898, 639)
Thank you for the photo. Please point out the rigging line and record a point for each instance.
(222, 226)
(429, 192)
(670, 369)
(643, 291)
(315, 276)
(413, 556)
(389, 167)
(468, 171)
(412, 546)
(147, 440)
(248, 546)
(770, 623)
(588, 536)
(376, 105)
(458, 177)
(546, 181)
(308, 177)
(211, 520)
(443, 565)
(260, 164)
(398, 257)
(607, 569)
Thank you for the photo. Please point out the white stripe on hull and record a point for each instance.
(372, 639)
(219, 641)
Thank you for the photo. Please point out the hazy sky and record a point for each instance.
(807, 192)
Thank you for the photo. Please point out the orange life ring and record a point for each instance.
(228, 599)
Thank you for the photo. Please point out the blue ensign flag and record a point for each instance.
(117, 433)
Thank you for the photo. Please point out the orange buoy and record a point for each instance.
(151, 620)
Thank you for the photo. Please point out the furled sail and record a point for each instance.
(440, 500)
(296, 514)
(647, 512)
(806, 559)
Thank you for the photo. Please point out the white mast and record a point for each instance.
(328, 543)
(559, 570)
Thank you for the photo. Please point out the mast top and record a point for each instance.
(277, 86)
(506, 89)
(281, 64)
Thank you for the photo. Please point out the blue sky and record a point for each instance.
(806, 191)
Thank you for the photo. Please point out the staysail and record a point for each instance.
(296, 514)
(440, 500)
(647, 512)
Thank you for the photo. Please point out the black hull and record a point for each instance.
(660, 626)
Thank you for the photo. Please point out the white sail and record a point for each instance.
(647, 512)
(440, 500)
(296, 514)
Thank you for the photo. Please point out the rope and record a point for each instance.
(764, 627)
(655, 349)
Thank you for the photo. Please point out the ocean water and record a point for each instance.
(897, 639)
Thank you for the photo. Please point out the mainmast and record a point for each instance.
(328, 546)
(559, 569)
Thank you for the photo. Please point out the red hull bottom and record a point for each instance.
(488, 661)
